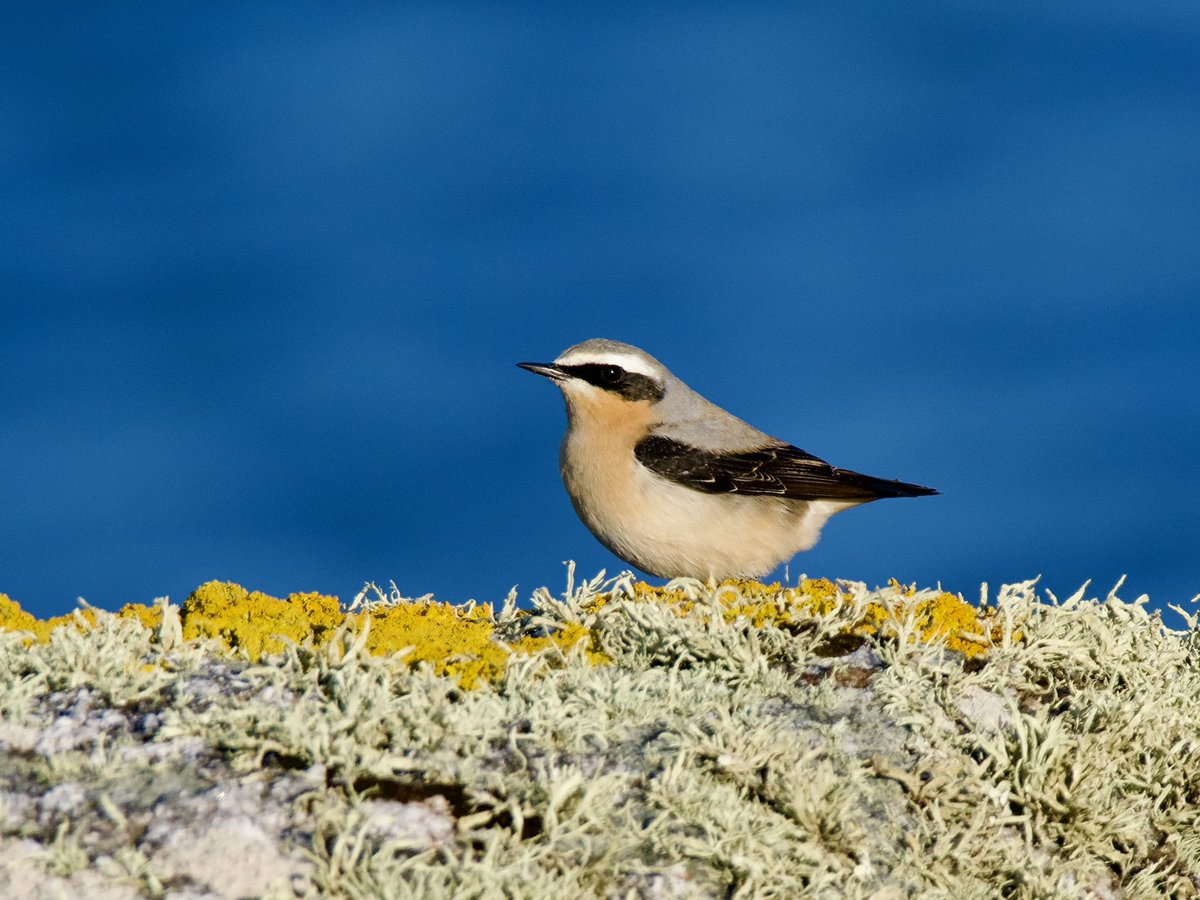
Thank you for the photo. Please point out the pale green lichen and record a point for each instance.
(1026, 748)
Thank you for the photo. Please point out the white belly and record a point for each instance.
(670, 530)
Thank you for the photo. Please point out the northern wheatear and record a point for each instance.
(676, 486)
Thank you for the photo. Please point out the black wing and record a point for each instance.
(780, 470)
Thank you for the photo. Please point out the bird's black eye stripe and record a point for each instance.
(630, 385)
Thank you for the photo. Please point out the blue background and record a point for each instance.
(264, 274)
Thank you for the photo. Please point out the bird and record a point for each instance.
(678, 487)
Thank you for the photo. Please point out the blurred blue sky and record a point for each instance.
(264, 273)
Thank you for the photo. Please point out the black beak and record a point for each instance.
(549, 370)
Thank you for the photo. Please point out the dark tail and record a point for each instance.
(881, 488)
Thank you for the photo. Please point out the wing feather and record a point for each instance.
(778, 469)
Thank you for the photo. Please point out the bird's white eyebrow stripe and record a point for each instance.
(626, 361)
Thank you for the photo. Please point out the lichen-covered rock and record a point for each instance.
(744, 740)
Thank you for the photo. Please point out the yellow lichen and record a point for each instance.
(571, 635)
(459, 642)
(759, 604)
(943, 617)
(149, 617)
(453, 641)
(256, 623)
(13, 618)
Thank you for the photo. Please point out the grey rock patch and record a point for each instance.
(23, 876)
(426, 824)
(231, 855)
(986, 710)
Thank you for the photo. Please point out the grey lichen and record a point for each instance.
(712, 756)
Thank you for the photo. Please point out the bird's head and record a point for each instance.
(604, 380)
